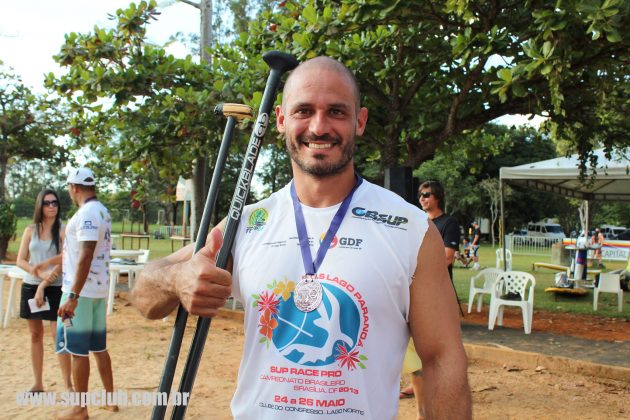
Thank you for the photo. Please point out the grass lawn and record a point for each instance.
(544, 278)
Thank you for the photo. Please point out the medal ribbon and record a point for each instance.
(311, 266)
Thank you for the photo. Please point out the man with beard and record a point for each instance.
(326, 325)
(82, 313)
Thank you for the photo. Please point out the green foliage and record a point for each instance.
(431, 71)
(28, 125)
(160, 113)
(465, 164)
(8, 219)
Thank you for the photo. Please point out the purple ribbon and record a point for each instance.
(311, 266)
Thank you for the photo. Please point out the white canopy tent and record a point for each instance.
(561, 176)
(609, 182)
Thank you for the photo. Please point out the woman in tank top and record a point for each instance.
(40, 257)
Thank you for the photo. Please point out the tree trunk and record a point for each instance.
(205, 30)
(4, 245)
(4, 163)
(201, 163)
(199, 176)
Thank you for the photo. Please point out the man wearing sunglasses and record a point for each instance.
(431, 196)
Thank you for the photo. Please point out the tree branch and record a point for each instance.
(192, 3)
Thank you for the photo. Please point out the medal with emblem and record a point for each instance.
(308, 293)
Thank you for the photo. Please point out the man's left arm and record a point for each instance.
(86, 253)
(451, 241)
(435, 327)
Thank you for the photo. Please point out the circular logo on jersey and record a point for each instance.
(333, 243)
(257, 219)
(321, 337)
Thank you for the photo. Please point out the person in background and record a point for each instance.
(39, 255)
(81, 326)
(432, 198)
(596, 243)
(464, 256)
(474, 244)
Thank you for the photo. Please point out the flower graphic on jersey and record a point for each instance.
(350, 359)
(332, 333)
(284, 289)
(267, 324)
(267, 303)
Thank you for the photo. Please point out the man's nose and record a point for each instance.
(319, 124)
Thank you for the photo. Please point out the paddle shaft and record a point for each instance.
(279, 64)
(170, 364)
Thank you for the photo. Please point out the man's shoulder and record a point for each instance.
(445, 220)
(94, 207)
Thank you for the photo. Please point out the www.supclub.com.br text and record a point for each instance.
(101, 398)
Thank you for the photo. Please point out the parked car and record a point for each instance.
(612, 232)
(623, 236)
(545, 229)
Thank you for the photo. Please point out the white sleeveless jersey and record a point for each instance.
(342, 360)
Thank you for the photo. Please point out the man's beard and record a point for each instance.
(321, 168)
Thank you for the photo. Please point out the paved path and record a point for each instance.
(593, 351)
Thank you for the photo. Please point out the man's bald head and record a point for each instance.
(324, 63)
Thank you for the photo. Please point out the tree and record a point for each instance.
(135, 106)
(463, 166)
(431, 71)
(491, 187)
(28, 126)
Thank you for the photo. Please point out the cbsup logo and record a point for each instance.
(257, 220)
(343, 242)
(87, 225)
(332, 333)
(386, 219)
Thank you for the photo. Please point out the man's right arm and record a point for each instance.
(194, 281)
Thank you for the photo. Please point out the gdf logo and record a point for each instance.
(343, 242)
(353, 242)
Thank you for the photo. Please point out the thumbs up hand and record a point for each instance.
(201, 286)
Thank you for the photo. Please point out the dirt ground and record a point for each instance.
(138, 346)
(577, 325)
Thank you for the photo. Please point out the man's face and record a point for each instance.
(320, 121)
(72, 192)
(428, 200)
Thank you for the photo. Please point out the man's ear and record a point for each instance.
(280, 119)
(362, 117)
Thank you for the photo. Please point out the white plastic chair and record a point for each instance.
(131, 270)
(142, 259)
(508, 258)
(513, 282)
(15, 275)
(489, 276)
(609, 283)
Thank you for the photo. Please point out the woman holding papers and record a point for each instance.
(40, 257)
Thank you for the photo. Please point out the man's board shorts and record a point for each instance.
(412, 362)
(475, 248)
(87, 332)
